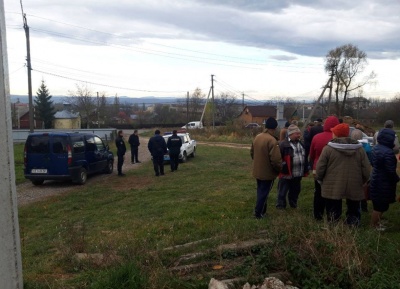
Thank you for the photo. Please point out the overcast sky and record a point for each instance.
(264, 49)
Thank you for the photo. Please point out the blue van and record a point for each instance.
(65, 156)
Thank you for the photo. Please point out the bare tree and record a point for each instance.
(162, 113)
(227, 107)
(345, 63)
(82, 100)
(143, 117)
(102, 108)
(390, 110)
(196, 103)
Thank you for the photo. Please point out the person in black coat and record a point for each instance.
(384, 178)
(134, 142)
(316, 129)
(174, 144)
(157, 148)
(121, 149)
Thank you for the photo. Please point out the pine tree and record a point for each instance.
(44, 109)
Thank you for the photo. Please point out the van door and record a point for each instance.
(37, 155)
(59, 156)
(101, 154)
(91, 153)
(78, 151)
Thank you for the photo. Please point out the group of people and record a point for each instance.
(340, 162)
(121, 149)
(157, 147)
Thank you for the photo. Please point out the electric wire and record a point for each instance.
(149, 51)
(106, 85)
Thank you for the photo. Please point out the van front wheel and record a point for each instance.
(110, 167)
(82, 177)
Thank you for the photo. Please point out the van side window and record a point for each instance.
(78, 145)
(57, 148)
(90, 144)
(99, 143)
(59, 144)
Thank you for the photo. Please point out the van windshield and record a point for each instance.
(38, 145)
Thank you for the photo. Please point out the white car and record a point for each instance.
(188, 147)
(193, 125)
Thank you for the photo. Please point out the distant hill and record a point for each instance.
(122, 99)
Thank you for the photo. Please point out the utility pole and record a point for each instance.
(242, 100)
(330, 89)
(10, 249)
(316, 104)
(29, 68)
(213, 103)
(97, 109)
(187, 109)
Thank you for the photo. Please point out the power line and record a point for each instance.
(151, 51)
(106, 85)
(156, 44)
(246, 61)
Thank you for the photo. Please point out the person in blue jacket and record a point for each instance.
(174, 144)
(157, 148)
(384, 178)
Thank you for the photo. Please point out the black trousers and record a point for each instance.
(158, 163)
(334, 211)
(120, 162)
(174, 161)
(263, 189)
(134, 154)
(319, 202)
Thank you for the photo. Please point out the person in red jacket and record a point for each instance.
(318, 142)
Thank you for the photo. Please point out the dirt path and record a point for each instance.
(228, 145)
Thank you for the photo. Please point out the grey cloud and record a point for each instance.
(277, 5)
(299, 27)
(283, 57)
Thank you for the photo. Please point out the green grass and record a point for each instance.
(211, 198)
(19, 162)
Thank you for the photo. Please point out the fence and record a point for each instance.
(106, 134)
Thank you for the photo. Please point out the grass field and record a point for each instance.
(127, 229)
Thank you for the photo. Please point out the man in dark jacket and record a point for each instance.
(294, 167)
(157, 148)
(174, 144)
(316, 129)
(121, 149)
(134, 142)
